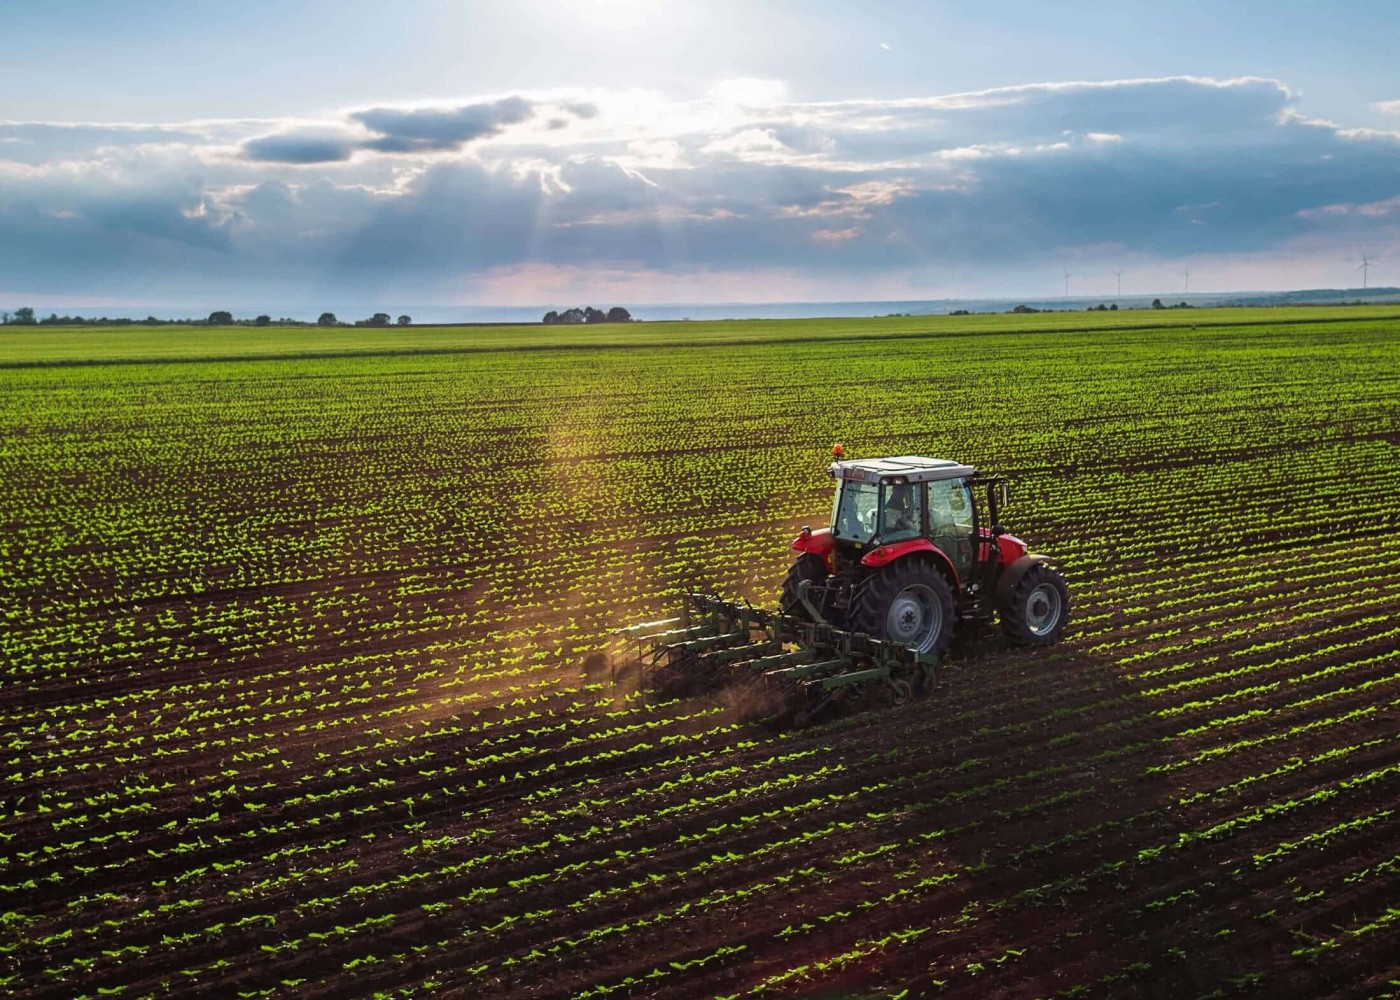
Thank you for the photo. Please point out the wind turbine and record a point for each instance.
(1186, 277)
(1365, 268)
(1066, 284)
(1120, 283)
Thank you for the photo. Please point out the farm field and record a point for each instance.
(304, 649)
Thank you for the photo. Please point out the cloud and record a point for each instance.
(836, 235)
(1371, 210)
(428, 130)
(177, 220)
(580, 109)
(400, 130)
(40, 142)
(753, 144)
(1388, 107)
(300, 147)
(419, 202)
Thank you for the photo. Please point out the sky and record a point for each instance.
(356, 156)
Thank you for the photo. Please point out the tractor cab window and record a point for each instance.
(899, 512)
(950, 520)
(857, 505)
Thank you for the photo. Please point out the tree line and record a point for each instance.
(588, 314)
(25, 316)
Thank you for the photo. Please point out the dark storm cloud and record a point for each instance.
(116, 248)
(161, 218)
(396, 130)
(435, 129)
(301, 148)
(585, 109)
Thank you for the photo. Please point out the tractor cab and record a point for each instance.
(887, 502)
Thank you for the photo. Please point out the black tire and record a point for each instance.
(909, 602)
(1038, 609)
(810, 568)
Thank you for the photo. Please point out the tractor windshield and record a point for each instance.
(853, 518)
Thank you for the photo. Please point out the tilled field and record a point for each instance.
(307, 687)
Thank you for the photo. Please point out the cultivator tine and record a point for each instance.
(764, 664)
(803, 666)
(642, 629)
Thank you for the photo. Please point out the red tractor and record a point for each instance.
(911, 551)
(872, 601)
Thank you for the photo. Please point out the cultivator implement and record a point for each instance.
(786, 667)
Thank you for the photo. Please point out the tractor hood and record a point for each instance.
(1010, 548)
(818, 542)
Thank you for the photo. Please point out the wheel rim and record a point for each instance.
(1043, 610)
(915, 617)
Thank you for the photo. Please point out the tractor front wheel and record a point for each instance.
(1038, 608)
(809, 568)
(909, 602)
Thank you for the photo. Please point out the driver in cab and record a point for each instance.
(901, 516)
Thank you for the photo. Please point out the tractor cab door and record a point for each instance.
(900, 512)
(952, 523)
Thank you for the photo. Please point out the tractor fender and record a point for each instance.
(887, 554)
(819, 543)
(1010, 548)
(1013, 573)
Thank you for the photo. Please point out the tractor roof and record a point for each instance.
(909, 468)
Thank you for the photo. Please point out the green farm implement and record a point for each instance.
(798, 668)
(915, 548)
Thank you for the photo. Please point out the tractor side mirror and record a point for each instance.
(998, 531)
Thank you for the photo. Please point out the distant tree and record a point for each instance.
(405, 320)
(24, 316)
(1113, 308)
(955, 312)
(575, 315)
(1025, 309)
(1157, 304)
(263, 321)
(591, 315)
(379, 319)
(551, 317)
(220, 317)
(617, 314)
(327, 319)
(4, 318)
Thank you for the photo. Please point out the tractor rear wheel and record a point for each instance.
(809, 568)
(908, 602)
(1038, 608)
